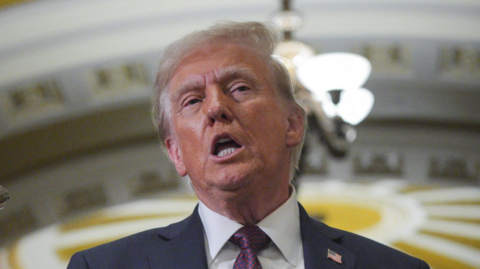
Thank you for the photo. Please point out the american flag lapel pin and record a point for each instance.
(334, 256)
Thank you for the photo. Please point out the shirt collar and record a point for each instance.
(282, 226)
(218, 229)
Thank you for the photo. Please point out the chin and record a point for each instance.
(231, 178)
(232, 182)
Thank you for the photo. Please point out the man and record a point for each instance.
(225, 111)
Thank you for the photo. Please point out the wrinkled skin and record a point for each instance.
(224, 91)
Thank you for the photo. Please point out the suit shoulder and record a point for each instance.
(144, 238)
(117, 253)
(370, 253)
(126, 252)
(141, 238)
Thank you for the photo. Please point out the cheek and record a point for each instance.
(269, 124)
(190, 136)
(189, 130)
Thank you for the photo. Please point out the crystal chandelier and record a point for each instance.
(328, 86)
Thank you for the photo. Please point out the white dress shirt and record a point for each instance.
(282, 226)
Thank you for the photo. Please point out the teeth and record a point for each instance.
(223, 140)
(226, 152)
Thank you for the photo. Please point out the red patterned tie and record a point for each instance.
(251, 239)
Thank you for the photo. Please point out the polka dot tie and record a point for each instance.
(250, 239)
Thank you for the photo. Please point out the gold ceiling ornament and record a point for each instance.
(9, 3)
(437, 224)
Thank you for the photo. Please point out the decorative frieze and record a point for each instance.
(121, 78)
(460, 62)
(378, 164)
(33, 100)
(84, 198)
(388, 58)
(455, 168)
(152, 181)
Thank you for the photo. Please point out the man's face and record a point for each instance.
(230, 131)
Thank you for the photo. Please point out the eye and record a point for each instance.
(241, 89)
(191, 101)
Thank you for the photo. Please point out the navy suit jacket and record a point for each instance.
(181, 245)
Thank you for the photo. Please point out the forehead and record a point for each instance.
(215, 57)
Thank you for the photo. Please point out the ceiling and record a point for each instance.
(76, 75)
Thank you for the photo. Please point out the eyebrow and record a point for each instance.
(187, 85)
(225, 74)
(234, 72)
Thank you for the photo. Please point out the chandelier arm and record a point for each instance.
(335, 132)
(3, 197)
(321, 123)
(286, 5)
(287, 35)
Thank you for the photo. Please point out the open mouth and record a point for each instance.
(225, 146)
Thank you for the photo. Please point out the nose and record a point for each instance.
(218, 106)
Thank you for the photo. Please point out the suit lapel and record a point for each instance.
(185, 247)
(317, 239)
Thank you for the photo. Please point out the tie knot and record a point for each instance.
(250, 237)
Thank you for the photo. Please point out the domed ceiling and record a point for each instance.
(76, 76)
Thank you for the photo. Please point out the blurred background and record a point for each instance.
(83, 165)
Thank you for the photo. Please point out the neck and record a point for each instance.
(247, 208)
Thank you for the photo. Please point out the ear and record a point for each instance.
(175, 155)
(295, 128)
